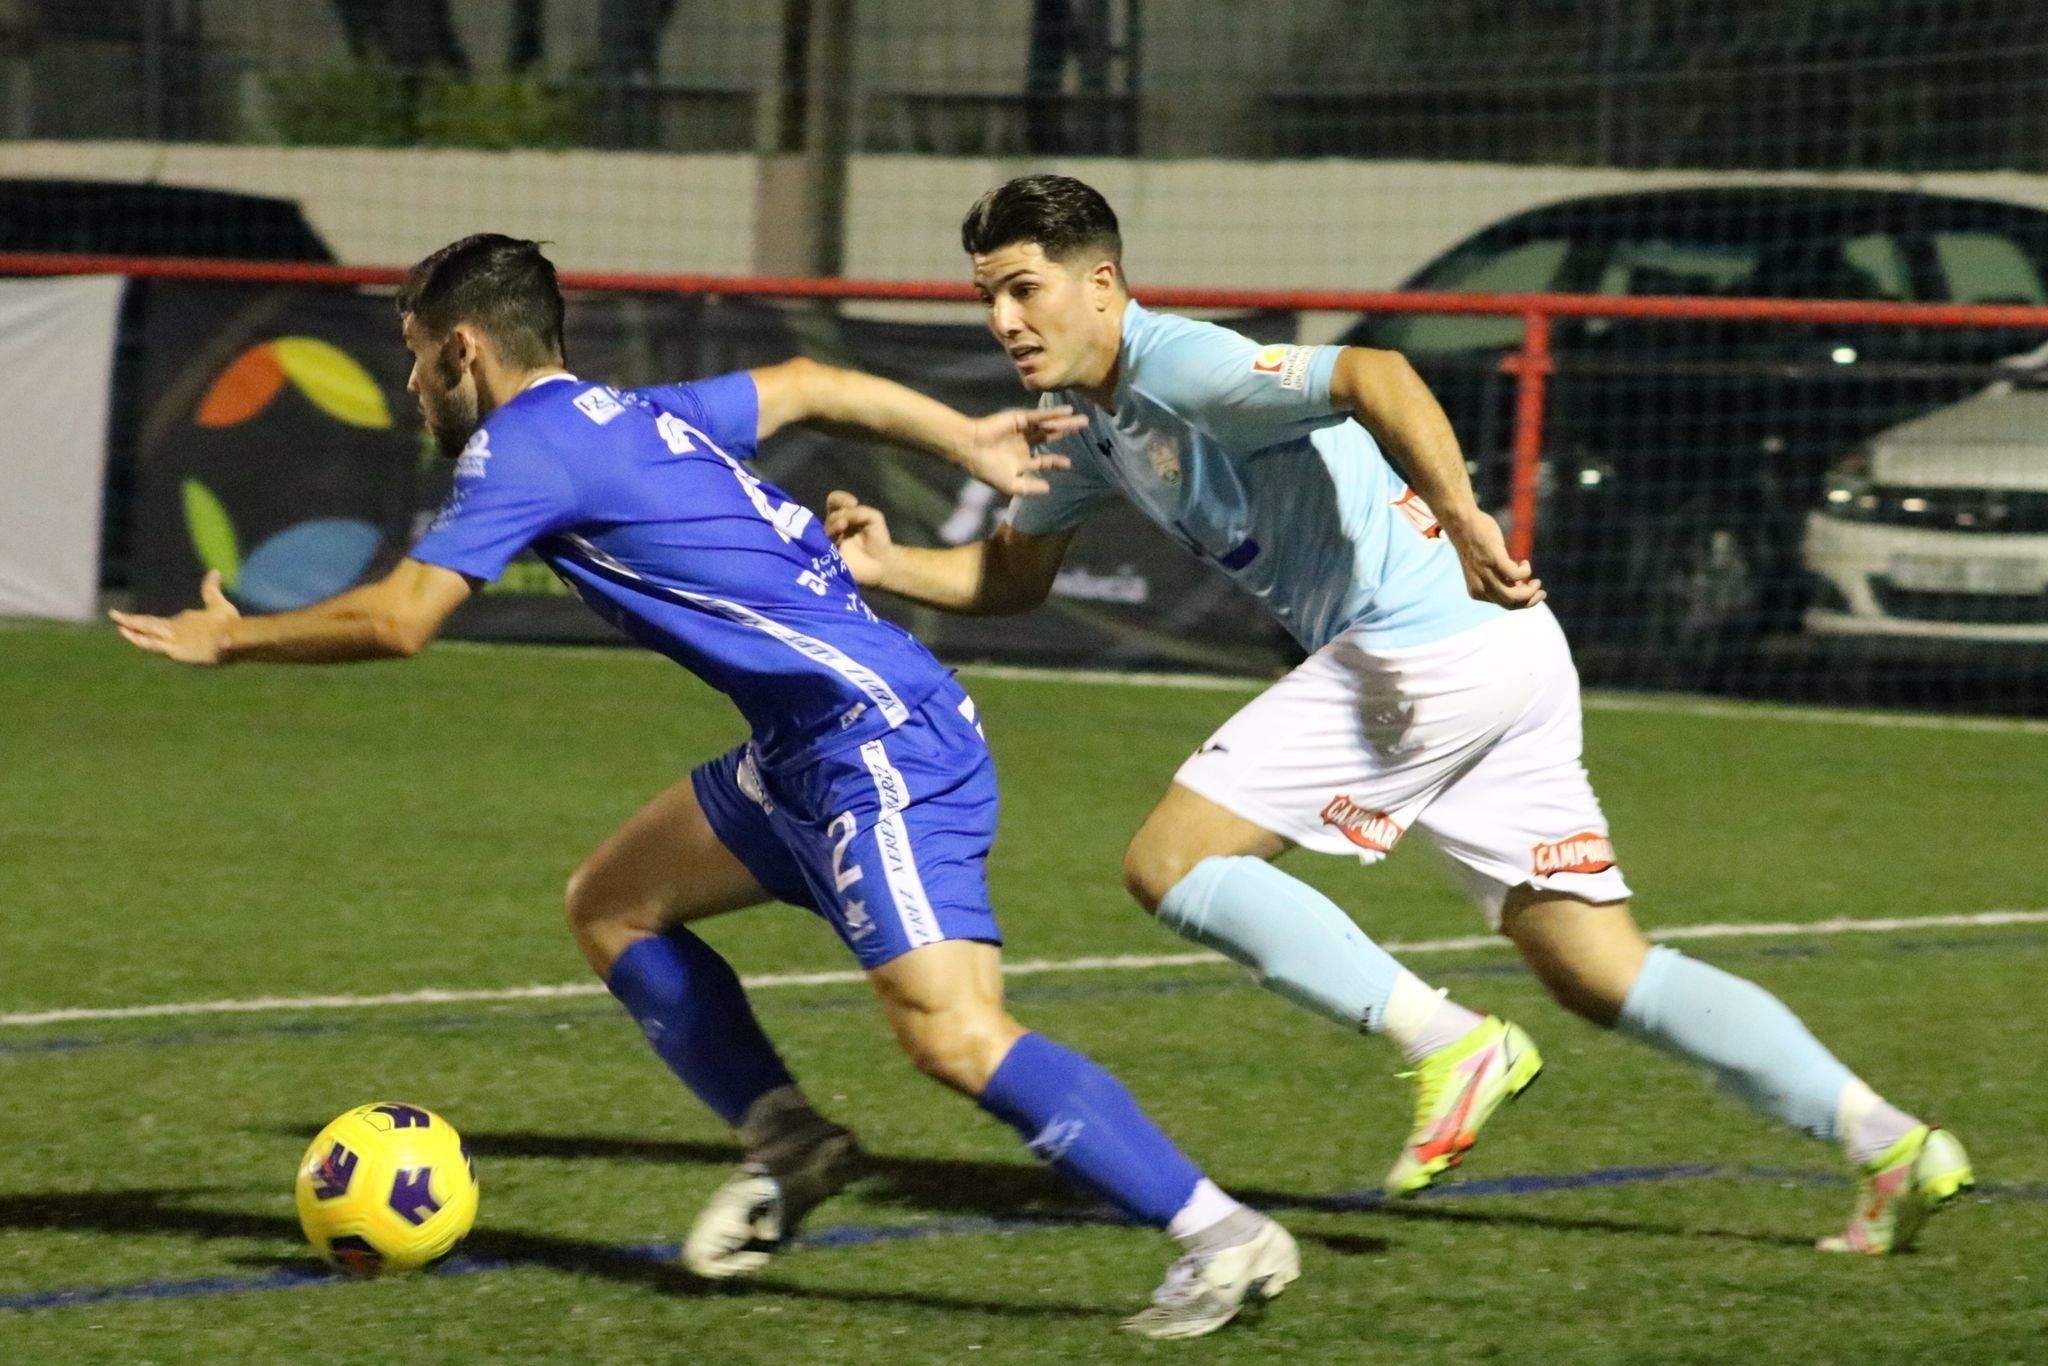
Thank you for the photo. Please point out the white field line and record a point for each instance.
(1673, 704)
(1826, 716)
(1119, 963)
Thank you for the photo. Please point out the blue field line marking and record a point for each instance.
(866, 1235)
(164, 1290)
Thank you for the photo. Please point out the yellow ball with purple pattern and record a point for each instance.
(386, 1188)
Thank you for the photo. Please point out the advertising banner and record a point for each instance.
(280, 447)
(277, 445)
(56, 368)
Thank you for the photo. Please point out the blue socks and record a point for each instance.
(1293, 938)
(692, 1009)
(1080, 1119)
(1073, 1114)
(1756, 1049)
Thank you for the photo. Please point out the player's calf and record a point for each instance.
(1586, 955)
(958, 1047)
(945, 1003)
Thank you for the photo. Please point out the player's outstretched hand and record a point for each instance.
(862, 535)
(1001, 449)
(1490, 574)
(192, 637)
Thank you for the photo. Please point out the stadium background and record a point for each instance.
(734, 181)
(1664, 476)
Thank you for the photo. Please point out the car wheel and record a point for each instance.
(1702, 592)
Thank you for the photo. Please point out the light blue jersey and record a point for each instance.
(1237, 451)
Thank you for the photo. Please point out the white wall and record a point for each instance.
(375, 206)
(1317, 224)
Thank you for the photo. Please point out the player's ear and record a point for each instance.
(463, 346)
(1102, 283)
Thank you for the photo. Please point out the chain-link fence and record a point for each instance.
(1842, 504)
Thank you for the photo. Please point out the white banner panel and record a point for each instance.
(56, 369)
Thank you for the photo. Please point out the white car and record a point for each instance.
(1938, 527)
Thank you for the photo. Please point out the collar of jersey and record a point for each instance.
(1135, 317)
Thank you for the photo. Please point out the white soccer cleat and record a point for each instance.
(1204, 1291)
(756, 1212)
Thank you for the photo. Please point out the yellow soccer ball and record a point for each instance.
(386, 1188)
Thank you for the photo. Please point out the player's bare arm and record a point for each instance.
(1000, 449)
(1392, 402)
(393, 618)
(1009, 572)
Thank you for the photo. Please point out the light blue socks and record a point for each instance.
(1296, 941)
(1756, 1049)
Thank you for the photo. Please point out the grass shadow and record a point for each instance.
(165, 1210)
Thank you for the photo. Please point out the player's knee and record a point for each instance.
(958, 1049)
(1587, 990)
(1153, 866)
(597, 917)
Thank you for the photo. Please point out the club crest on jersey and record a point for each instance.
(1370, 830)
(599, 405)
(1417, 513)
(1165, 458)
(1583, 853)
(1290, 363)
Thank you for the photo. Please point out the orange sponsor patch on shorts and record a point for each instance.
(1374, 830)
(1582, 853)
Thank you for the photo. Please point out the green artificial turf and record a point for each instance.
(175, 836)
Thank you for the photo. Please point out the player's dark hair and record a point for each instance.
(1063, 216)
(501, 285)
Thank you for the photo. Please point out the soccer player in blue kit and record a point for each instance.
(1438, 693)
(865, 793)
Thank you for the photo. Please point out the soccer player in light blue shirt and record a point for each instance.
(1438, 694)
(866, 793)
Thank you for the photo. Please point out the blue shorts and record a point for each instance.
(887, 840)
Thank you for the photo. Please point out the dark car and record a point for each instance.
(121, 218)
(1680, 457)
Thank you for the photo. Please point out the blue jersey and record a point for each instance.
(641, 501)
(1238, 452)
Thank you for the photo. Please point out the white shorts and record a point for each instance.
(1476, 739)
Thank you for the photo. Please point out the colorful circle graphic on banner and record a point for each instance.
(313, 559)
(328, 376)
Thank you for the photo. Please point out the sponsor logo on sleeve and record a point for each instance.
(600, 405)
(1589, 852)
(1289, 363)
(1371, 830)
(1417, 514)
(475, 453)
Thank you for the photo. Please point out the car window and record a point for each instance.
(1987, 268)
(1524, 268)
(1659, 266)
(1880, 257)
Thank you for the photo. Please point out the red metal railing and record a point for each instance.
(1530, 367)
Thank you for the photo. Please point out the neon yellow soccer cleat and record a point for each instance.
(1915, 1177)
(1458, 1088)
